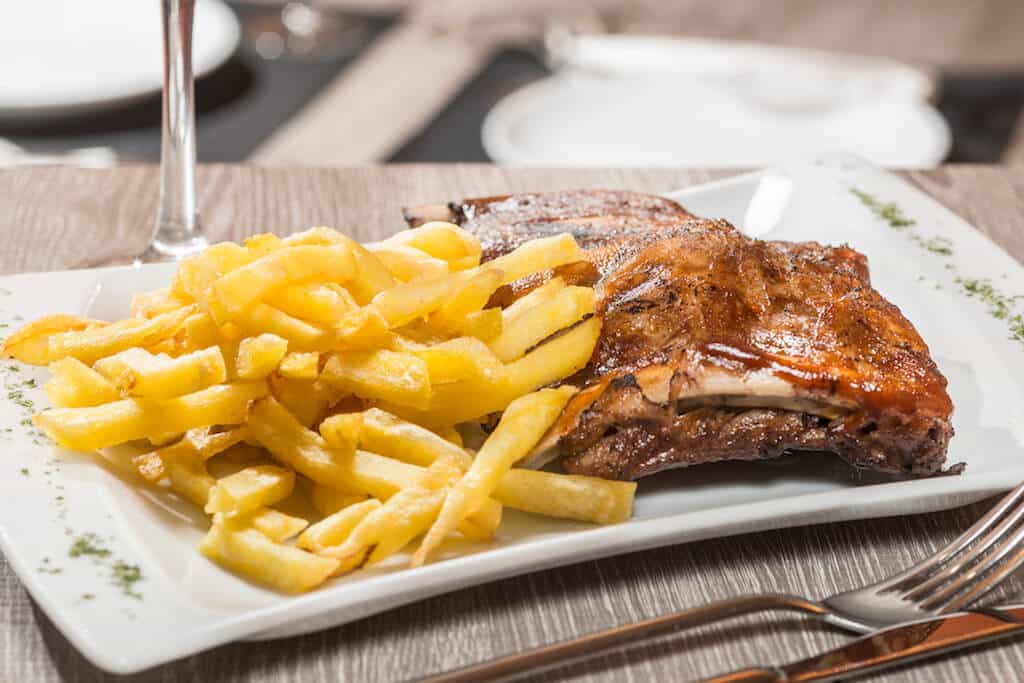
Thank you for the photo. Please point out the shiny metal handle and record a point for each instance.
(890, 647)
(565, 652)
(177, 232)
(751, 676)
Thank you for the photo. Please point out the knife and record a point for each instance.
(892, 647)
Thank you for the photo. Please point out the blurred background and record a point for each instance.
(684, 83)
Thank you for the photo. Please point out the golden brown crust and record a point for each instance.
(696, 313)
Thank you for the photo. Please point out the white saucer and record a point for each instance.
(63, 56)
(631, 100)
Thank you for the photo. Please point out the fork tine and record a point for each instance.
(915, 574)
(954, 569)
(978, 580)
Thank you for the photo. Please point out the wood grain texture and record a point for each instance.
(57, 218)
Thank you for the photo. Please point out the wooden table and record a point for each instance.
(58, 218)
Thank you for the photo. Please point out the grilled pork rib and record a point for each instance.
(716, 346)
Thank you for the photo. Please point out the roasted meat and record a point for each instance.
(603, 222)
(717, 346)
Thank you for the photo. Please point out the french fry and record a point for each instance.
(156, 302)
(482, 524)
(391, 527)
(197, 332)
(164, 438)
(449, 433)
(554, 360)
(239, 289)
(275, 525)
(399, 378)
(31, 343)
(408, 264)
(471, 297)
(403, 517)
(263, 244)
(535, 324)
(150, 466)
(113, 366)
(465, 401)
(347, 365)
(446, 241)
(307, 401)
(327, 501)
(73, 384)
(197, 444)
(189, 479)
(414, 336)
(265, 319)
(372, 276)
(89, 345)
(254, 556)
(147, 376)
(535, 256)
(406, 302)
(390, 436)
(567, 496)
(250, 489)
(305, 451)
(300, 365)
(383, 433)
(196, 274)
(319, 303)
(534, 298)
(362, 329)
(485, 325)
(521, 426)
(259, 356)
(462, 358)
(320, 235)
(335, 528)
(87, 429)
(341, 431)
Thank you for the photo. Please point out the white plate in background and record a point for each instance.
(62, 56)
(637, 100)
(49, 498)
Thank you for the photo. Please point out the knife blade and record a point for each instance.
(892, 647)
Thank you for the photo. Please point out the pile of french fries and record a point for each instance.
(314, 366)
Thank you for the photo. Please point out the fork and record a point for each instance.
(959, 574)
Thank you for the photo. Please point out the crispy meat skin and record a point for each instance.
(718, 346)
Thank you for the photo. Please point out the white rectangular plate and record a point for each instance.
(49, 498)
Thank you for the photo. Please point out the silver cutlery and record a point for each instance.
(891, 647)
(959, 574)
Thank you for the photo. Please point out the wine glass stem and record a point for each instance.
(178, 231)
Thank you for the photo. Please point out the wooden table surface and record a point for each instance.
(60, 218)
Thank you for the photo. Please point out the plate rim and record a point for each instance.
(86, 99)
(503, 117)
(926, 495)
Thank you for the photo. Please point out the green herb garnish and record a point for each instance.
(888, 212)
(126, 576)
(1000, 306)
(936, 245)
(17, 397)
(88, 544)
